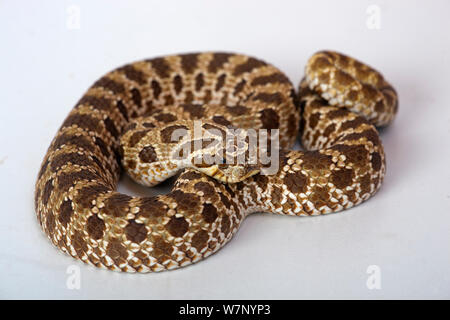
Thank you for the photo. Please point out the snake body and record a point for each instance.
(339, 103)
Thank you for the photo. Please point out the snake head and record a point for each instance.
(229, 162)
(229, 173)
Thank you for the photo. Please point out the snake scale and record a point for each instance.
(126, 117)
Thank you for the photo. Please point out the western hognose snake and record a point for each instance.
(129, 114)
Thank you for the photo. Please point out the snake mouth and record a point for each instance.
(230, 173)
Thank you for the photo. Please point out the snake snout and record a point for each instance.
(239, 173)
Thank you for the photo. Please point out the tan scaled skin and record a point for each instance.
(81, 212)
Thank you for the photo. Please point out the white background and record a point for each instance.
(46, 66)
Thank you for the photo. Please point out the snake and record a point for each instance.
(127, 119)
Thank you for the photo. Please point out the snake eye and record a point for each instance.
(220, 160)
(238, 172)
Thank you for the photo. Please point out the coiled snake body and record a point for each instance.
(339, 102)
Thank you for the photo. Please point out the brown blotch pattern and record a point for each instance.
(209, 213)
(74, 158)
(199, 82)
(50, 222)
(65, 212)
(314, 160)
(48, 188)
(135, 232)
(66, 139)
(177, 83)
(136, 97)
(191, 175)
(117, 251)
(122, 109)
(313, 120)
(248, 66)
(95, 227)
(269, 98)
(225, 225)
(355, 154)
(187, 202)
(166, 133)
(161, 67)
(370, 135)
(220, 81)
(269, 119)
(133, 74)
(156, 87)
(149, 125)
(296, 182)
(355, 123)
(111, 127)
(273, 78)
(165, 117)
(95, 102)
(117, 205)
(136, 137)
(110, 85)
(44, 166)
(376, 161)
(87, 194)
(239, 87)
(131, 164)
(152, 209)
(69, 179)
(162, 250)
(196, 111)
(338, 113)
(82, 121)
(177, 227)
(330, 129)
(224, 200)
(342, 178)
(189, 62)
(148, 155)
(219, 59)
(102, 146)
(221, 120)
(200, 240)
(78, 243)
(207, 189)
(237, 110)
(319, 196)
